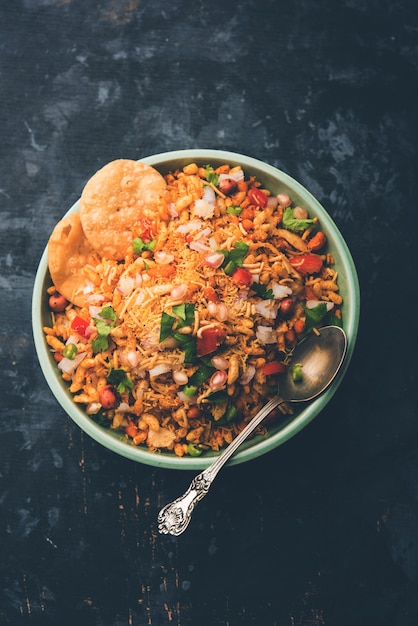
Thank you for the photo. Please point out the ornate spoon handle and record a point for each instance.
(174, 517)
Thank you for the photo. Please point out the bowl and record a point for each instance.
(277, 181)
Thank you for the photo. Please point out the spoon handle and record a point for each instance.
(174, 517)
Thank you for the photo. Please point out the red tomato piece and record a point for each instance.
(241, 276)
(258, 197)
(209, 340)
(307, 263)
(143, 229)
(80, 325)
(273, 367)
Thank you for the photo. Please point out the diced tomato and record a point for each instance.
(241, 276)
(143, 229)
(209, 340)
(258, 197)
(307, 263)
(80, 325)
(131, 430)
(211, 295)
(273, 367)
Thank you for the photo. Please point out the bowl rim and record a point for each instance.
(120, 445)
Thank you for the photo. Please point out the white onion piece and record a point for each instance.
(266, 334)
(220, 362)
(185, 398)
(163, 258)
(123, 407)
(311, 304)
(93, 408)
(267, 308)
(248, 375)
(203, 209)
(189, 227)
(218, 380)
(163, 368)
(280, 291)
(199, 246)
(284, 199)
(214, 259)
(178, 292)
(272, 202)
(69, 365)
(126, 285)
(95, 298)
(180, 377)
(237, 176)
(209, 196)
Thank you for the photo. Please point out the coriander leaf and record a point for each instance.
(234, 210)
(100, 344)
(120, 380)
(291, 223)
(200, 375)
(188, 344)
(234, 258)
(104, 323)
(262, 291)
(211, 175)
(139, 245)
(315, 315)
(166, 325)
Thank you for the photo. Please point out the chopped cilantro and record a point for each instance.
(104, 323)
(262, 291)
(139, 245)
(291, 223)
(167, 322)
(234, 210)
(315, 316)
(234, 258)
(119, 379)
(211, 175)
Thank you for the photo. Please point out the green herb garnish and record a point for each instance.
(292, 223)
(139, 245)
(262, 291)
(119, 379)
(104, 323)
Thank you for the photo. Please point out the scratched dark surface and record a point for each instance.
(324, 530)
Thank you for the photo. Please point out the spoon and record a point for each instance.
(320, 358)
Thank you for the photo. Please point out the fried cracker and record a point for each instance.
(114, 199)
(68, 253)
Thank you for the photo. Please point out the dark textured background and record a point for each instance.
(324, 530)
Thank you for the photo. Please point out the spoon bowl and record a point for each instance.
(319, 357)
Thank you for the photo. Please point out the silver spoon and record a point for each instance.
(320, 357)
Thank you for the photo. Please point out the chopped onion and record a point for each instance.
(163, 368)
(180, 377)
(280, 291)
(126, 285)
(220, 362)
(93, 408)
(311, 304)
(189, 227)
(163, 258)
(202, 208)
(272, 202)
(178, 292)
(161, 438)
(214, 259)
(267, 308)
(199, 246)
(237, 175)
(248, 375)
(266, 334)
(185, 398)
(69, 365)
(218, 380)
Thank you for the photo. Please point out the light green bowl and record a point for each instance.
(277, 181)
